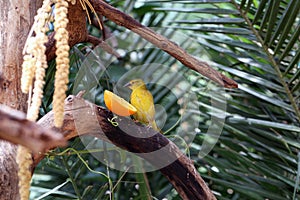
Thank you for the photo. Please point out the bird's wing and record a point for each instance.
(143, 101)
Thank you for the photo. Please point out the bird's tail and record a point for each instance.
(154, 126)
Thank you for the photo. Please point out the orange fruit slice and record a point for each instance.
(118, 105)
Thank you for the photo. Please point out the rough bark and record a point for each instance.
(16, 18)
(15, 128)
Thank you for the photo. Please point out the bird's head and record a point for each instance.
(135, 83)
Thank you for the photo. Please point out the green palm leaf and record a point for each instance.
(256, 43)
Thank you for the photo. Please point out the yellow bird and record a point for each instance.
(142, 100)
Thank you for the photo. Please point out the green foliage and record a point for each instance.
(254, 42)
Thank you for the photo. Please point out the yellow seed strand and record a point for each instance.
(28, 69)
(36, 42)
(24, 161)
(62, 60)
(34, 65)
(38, 88)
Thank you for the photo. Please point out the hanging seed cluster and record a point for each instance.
(35, 61)
(34, 69)
(34, 66)
(24, 161)
(62, 60)
(33, 73)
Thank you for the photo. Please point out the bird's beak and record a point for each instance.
(127, 84)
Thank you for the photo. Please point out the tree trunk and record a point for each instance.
(16, 19)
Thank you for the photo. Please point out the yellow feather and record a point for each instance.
(142, 99)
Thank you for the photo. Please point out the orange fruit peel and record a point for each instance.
(118, 105)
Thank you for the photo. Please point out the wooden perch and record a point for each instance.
(83, 117)
(15, 128)
(161, 42)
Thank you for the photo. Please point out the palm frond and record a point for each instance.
(256, 43)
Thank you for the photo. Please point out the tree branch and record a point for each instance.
(15, 128)
(101, 43)
(78, 33)
(80, 118)
(161, 42)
